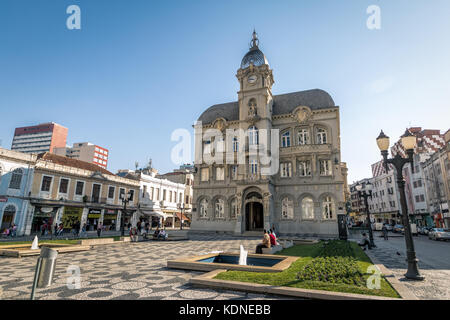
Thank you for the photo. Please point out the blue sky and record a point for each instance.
(137, 70)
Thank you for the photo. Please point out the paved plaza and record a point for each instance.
(125, 271)
(434, 264)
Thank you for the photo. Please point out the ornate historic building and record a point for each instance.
(306, 195)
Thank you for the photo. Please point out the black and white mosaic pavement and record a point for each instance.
(124, 271)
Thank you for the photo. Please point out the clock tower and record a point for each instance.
(256, 80)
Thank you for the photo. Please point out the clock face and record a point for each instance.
(252, 78)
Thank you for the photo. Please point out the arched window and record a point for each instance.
(219, 208)
(16, 179)
(253, 136)
(321, 136)
(328, 208)
(303, 136)
(233, 208)
(307, 208)
(203, 208)
(287, 209)
(8, 216)
(286, 139)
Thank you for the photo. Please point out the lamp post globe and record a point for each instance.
(408, 141)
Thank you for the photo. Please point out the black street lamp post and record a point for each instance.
(125, 199)
(409, 143)
(365, 195)
(181, 207)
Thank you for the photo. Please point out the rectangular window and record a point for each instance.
(204, 173)
(46, 183)
(151, 192)
(234, 172)
(325, 167)
(304, 168)
(121, 193)
(164, 195)
(303, 136)
(111, 191)
(220, 174)
(157, 195)
(79, 188)
(63, 185)
(253, 167)
(131, 195)
(286, 170)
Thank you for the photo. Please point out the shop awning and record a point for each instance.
(154, 213)
(184, 217)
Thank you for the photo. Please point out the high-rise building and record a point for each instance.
(429, 141)
(85, 151)
(40, 138)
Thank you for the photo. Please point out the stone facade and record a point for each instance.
(305, 195)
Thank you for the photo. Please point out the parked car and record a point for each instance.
(427, 230)
(398, 228)
(388, 227)
(439, 234)
(421, 230)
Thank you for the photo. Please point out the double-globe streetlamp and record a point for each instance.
(181, 207)
(365, 195)
(408, 141)
(125, 199)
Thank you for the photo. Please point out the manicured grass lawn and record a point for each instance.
(306, 254)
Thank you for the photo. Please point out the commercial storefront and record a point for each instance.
(71, 215)
(110, 219)
(43, 216)
(93, 219)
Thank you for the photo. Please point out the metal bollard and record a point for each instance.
(45, 269)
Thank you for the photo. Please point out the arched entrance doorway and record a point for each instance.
(254, 212)
(8, 216)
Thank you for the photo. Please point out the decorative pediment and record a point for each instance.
(302, 114)
(98, 175)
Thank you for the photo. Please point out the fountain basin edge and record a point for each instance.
(209, 262)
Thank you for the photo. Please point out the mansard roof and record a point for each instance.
(315, 99)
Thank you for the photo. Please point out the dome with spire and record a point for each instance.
(254, 56)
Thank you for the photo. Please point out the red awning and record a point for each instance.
(184, 217)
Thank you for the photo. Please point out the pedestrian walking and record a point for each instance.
(385, 232)
(99, 230)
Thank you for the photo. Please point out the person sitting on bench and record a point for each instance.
(162, 235)
(365, 242)
(265, 243)
(156, 233)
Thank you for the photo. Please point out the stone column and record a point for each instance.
(102, 216)
(84, 216)
(239, 216)
(266, 205)
(118, 220)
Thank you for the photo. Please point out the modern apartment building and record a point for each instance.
(41, 138)
(85, 151)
